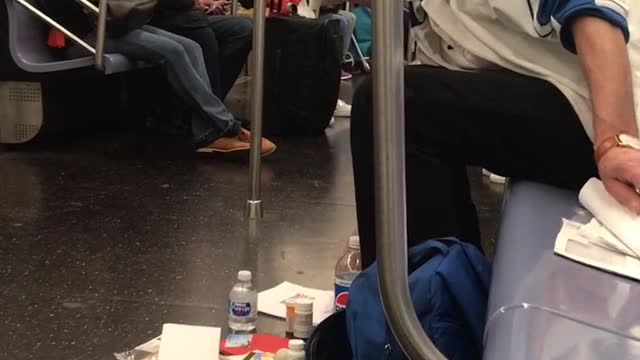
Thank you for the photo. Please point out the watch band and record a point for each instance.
(605, 146)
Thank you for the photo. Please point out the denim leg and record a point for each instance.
(214, 108)
(187, 75)
(344, 26)
(234, 35)
(350, 28)
(208, 41)
(192, 49)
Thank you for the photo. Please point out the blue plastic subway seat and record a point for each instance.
(30, 52)
(543, 306)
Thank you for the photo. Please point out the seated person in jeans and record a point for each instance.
(214, 129)
(225, 40)
(332, 10)
(529, 97)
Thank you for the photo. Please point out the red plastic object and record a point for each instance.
(281, 7)
(262, 342)
(56, 39)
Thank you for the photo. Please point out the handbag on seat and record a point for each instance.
(123, 16)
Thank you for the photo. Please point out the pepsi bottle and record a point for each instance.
(347, 269)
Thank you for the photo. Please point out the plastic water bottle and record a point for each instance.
(243, 305)
(347, 268)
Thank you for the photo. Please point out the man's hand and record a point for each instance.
(203, 5)
(217, 7)
(620, 173)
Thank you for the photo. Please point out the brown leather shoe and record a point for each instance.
(266, 146)
(240, 142)
(225, 145)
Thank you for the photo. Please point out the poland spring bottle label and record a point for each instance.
(240, 309)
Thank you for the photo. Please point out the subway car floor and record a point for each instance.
(105, 237)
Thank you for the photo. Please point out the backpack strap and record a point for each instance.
(472, 278)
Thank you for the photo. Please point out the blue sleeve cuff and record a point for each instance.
(566, 17)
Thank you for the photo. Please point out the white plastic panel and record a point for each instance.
(21, 112)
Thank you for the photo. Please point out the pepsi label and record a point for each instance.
(240, 309)
(342, 293)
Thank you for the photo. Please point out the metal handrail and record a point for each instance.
(254, 203)
(88, 5)
(391, 227)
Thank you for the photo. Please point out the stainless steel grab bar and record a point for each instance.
(254, 203)
(234, 7)
(388, 82)
(89, 6)
(101, 33)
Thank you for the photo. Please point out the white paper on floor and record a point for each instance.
(182, 342)
(146, 351)
(272, 301)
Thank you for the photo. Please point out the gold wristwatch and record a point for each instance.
(621, 140)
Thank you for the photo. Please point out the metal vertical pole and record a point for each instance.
(101, 34)
(391, 227)
(254, 204)
(234, 7)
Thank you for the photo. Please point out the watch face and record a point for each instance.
(630, 141)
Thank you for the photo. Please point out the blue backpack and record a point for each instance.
(449, 283)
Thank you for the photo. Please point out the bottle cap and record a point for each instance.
(304, 306)
(296, 345)
(354, 242)
(244, 275)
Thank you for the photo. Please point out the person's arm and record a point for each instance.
(603, 55)
(602, 51)
(597, 31)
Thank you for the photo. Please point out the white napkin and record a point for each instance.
(599, 235)
(577, 242)
(623, 223)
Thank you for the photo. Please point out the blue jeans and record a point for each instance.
(226, 44)
(347, 26)
(187, 74)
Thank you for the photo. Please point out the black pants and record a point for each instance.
(225, 44)
(512, 125)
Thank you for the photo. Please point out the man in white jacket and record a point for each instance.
(534, 89)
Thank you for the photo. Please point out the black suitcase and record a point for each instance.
(303, 59)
